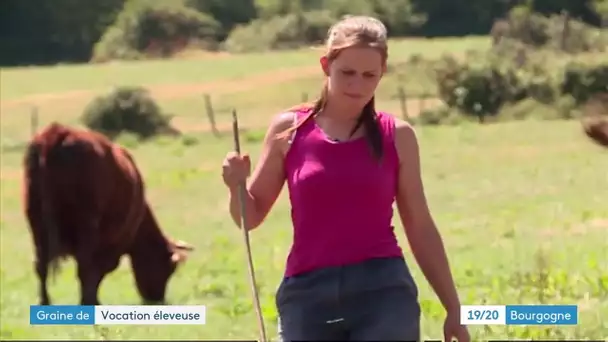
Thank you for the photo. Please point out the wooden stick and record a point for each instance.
(242, 223)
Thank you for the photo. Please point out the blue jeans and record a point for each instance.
(373, 300)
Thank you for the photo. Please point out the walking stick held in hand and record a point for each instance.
(242, 223)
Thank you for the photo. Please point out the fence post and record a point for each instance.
(34, 120)
(403, 102)
(211, 115)
(422, 105)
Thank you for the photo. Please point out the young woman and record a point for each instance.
(345, 164)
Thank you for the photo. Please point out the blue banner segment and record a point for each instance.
(62, 315)
(541, 315)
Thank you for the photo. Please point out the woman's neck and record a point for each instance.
(341, 114)
(338, 125)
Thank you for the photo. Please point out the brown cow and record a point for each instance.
(596, 128)
(595, 119)
(85, 197)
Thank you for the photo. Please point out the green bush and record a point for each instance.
(156, 29)
(439, 116)
(127, 110)
(567, 107)
(583, 82)
(504, 86)
(541, 88)
(530, 108)
(538, 31)
(536, 78)
(580, 37)
(483, 85)
(227, 12)
(280, 32)
(401, 17)
(529, 28)
(477, 88)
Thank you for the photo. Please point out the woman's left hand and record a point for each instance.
(452, 329)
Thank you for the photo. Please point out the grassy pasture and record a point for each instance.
(20, 82)
(521, 207)
(258, 85)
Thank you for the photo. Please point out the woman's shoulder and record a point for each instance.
(406, 141)
(400, 132)
(403, 127)
(288, 118)
(396, 124)
(282, 129)
(282, 121)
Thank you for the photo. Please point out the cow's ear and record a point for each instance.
(179, 244)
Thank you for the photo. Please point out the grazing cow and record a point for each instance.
(597, 129)
(595, 119)
(84, 197)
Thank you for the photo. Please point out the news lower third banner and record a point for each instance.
(117, 314)
(519, 315)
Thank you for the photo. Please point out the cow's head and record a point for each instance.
(154, 259)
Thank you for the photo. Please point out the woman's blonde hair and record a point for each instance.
(351, 31)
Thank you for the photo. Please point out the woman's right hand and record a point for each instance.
(235, 169)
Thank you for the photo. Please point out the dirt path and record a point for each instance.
(184, 90)
(174, 91)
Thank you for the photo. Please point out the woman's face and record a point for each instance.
(354, 75)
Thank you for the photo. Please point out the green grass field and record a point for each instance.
(521, 206)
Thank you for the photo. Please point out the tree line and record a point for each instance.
(47, 32)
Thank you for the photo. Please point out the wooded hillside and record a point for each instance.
(46, 32)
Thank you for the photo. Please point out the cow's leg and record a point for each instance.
(42, 269)
(35, 220)
(90, 277)
(89, 274)
(92, 269)
(41, 264)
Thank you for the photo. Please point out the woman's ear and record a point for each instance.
(325, 65)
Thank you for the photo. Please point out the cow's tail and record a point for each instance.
(40, 191)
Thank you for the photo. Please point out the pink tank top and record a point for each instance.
(341, 198)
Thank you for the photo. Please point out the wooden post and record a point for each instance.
(481, 114)
(422, 100)
(34, 121)
(403, 102)
(211, 115)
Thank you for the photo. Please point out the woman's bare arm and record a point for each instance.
(421, 231)
(268, 176)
